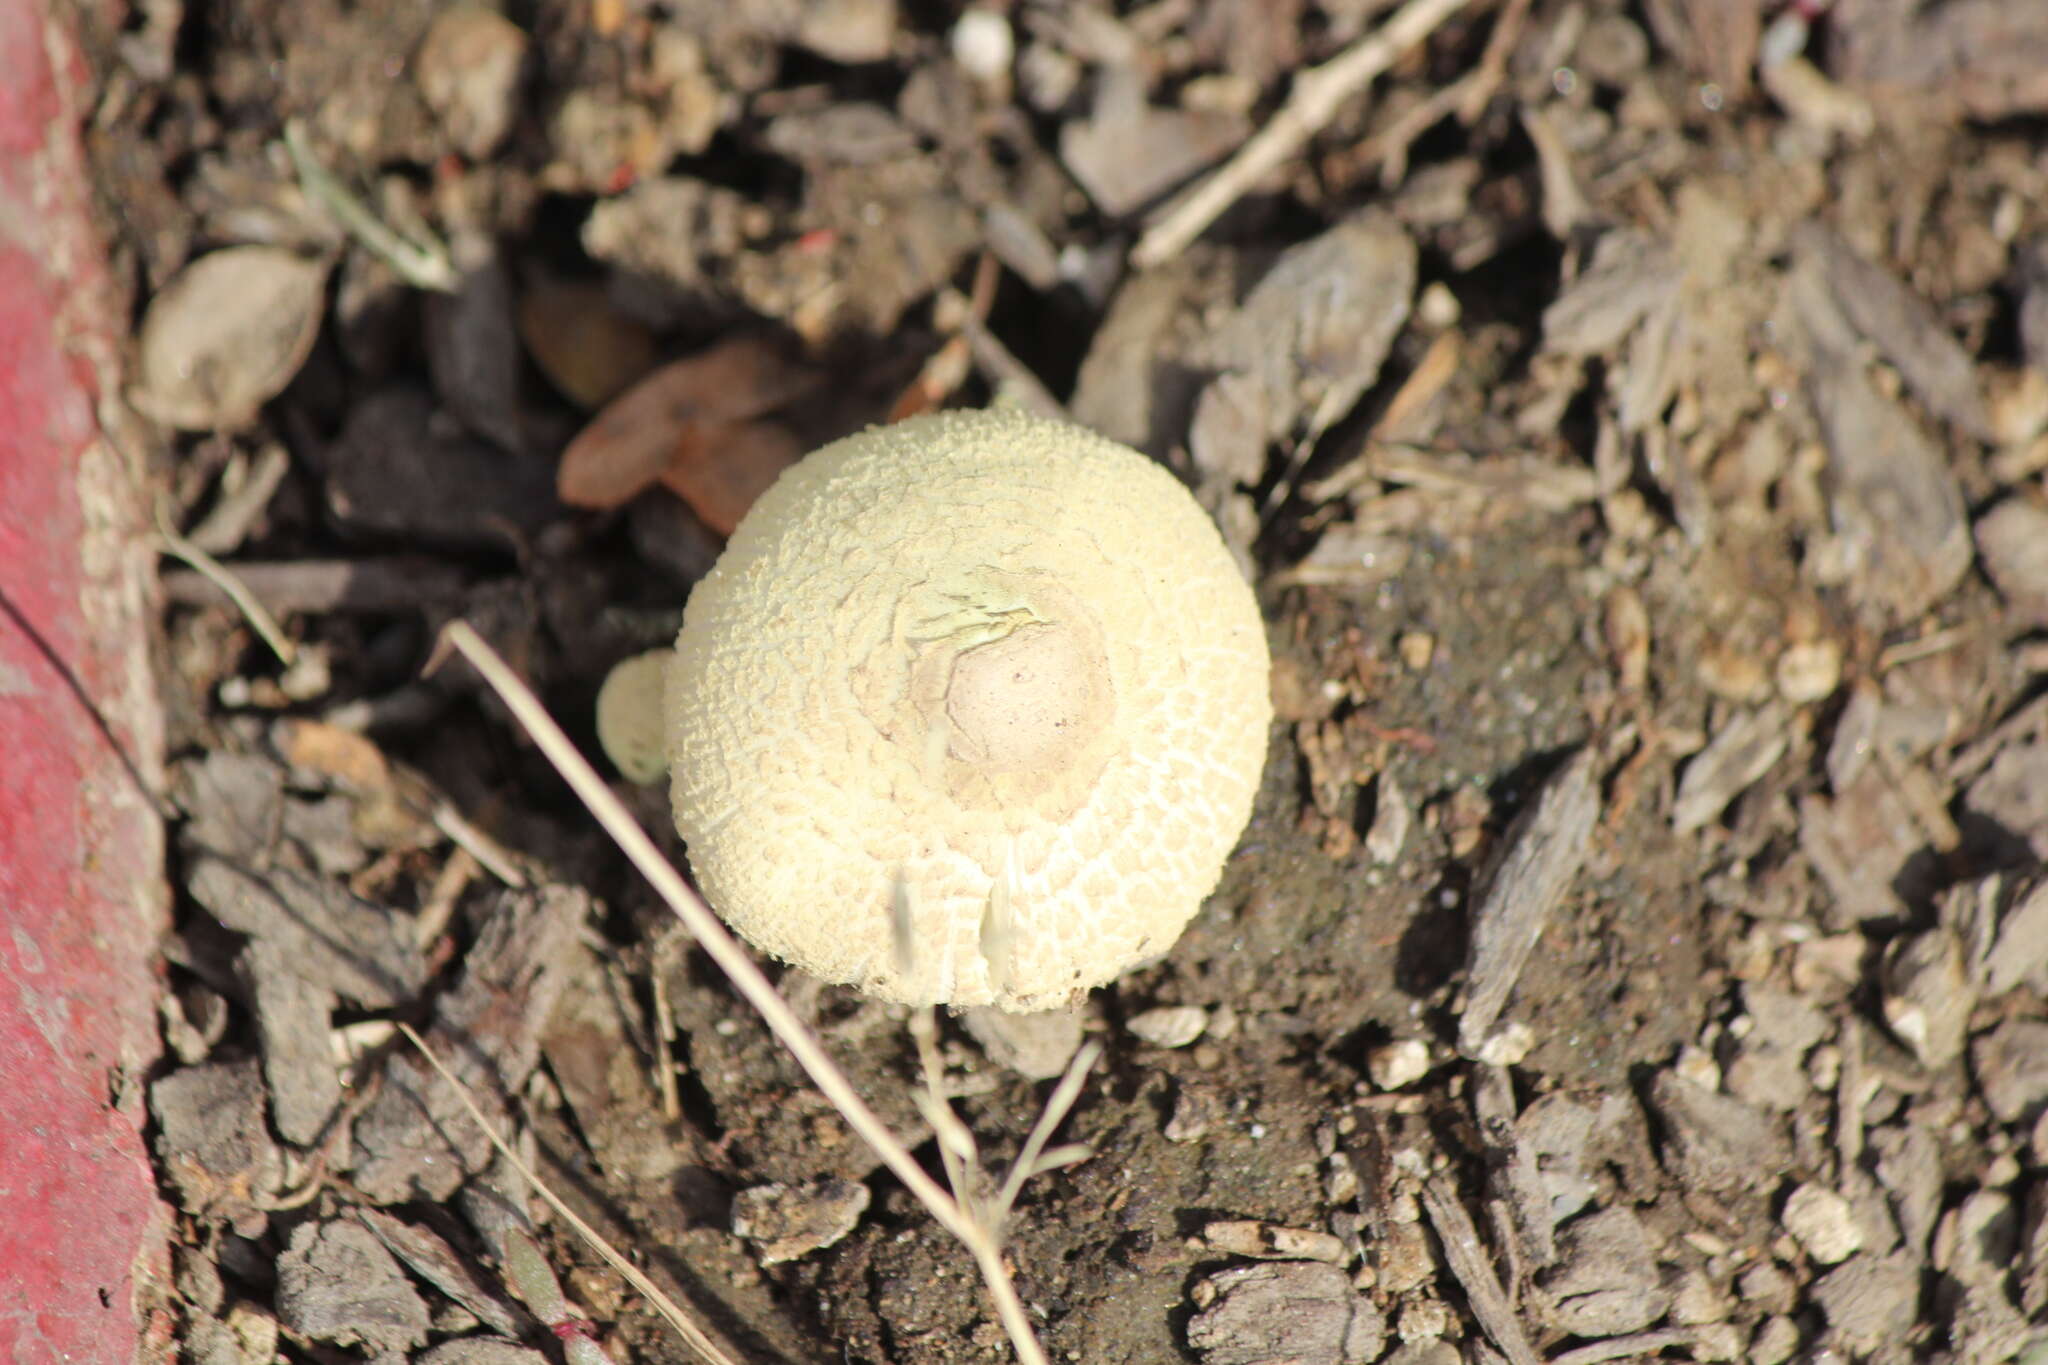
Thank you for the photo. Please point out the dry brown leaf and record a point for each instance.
(721, 467)
(588, 350)
(226, 336)
(647, 431)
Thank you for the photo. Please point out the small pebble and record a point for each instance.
(1402, 1258)
(1810, 672)
(983, 44)
(785, 1222)
(1732, 673)
(1612, 49)
(1774, 1342)
(1508, 1046)
(1698, 1299)
(1397, 1064)
(1767, 1285)
(1195, 1111)
(1698, 1066)
(2011, 1064)
(1169, 1025)
(1824, 1067)
(1438, 308)
(1824, 1223)
(468, 71)
(1717, 1341)
(1422, 1320)
(1048, 76)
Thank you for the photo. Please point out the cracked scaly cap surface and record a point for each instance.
(971, 711)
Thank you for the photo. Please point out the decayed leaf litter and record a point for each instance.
(1740, 445)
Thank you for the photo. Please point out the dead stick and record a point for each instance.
(1493, 63)
(1317, 95)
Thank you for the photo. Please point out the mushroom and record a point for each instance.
(970, 711)
(629, 723)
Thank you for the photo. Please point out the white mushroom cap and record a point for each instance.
(971, 711)
(630, 727)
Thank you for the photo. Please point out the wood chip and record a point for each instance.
(359, 950)
(2012, 542)
(1314, 331)
(594, 1044)
(1746, 748)
(1862, 843)
(2009, 801)
(1632, 274)
(292, 1019)
(2019, 951)
(1716, 38)
(1870, 1300)
(1896, 506)
(400, 583)
(336, 1282)
(234, 804)
(1517, 1174)
(1987, 59)
(1304, 1312)
(400, 469)
(1928, 995)
(1473, 1269)
(1606, 1281)
(434, 1261)
(1902, 325)
(213, 1142)
(472, 345)
(415, 1140)
(1128, 153)
(1715, 1143)
(2011, 1065)
(1540, 854)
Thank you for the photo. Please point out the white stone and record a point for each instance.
(983, 44)
(1509, 1045)
(1397, 1064)
(1823, 1223)
(1698, 1066)
(1810, 672)
(1169, 1025)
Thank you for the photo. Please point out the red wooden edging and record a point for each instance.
(82, 902)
